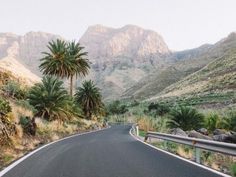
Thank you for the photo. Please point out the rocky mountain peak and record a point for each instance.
(129, 41)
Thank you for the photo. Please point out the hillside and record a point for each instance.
(212, 85)
(19, 55)
(187, 62)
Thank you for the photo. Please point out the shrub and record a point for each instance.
(116, 107)
(28, 125)
(14, 90)
(6, 126)
(186, 118)
(212, 122)
(5, 107)
(158, 109)
(231, 120)
(233, 170)
(25, 104)
(50, 100)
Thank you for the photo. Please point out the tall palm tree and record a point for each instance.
(64, 60)
(50, 99)
(88, 96)
(82, 64)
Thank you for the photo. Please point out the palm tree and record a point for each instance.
(76, 52)
(186, 118)
(50, 99)
(89, 98)
(64, 60)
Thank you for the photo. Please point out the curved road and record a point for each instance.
(108, 153)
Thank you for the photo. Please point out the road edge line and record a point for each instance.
(181, 158)
(11, 166)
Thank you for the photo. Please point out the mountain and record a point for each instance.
(121, 57)
(20, 55)
(127, 62)
(130, 41)
(187, 62)
(213, 84)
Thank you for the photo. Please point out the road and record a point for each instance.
(107, 153)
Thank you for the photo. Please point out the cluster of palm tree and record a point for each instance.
(64, 60)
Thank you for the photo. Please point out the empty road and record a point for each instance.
(107, 153)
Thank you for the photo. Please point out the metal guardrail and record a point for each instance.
(135, 130)
(198, 144)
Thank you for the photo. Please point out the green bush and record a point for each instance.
(158, 109)
(25, 104)
(5, 107)
(233, 170)
(14, 90)
(212, 122)
(186, 118)
(116, 107)
(24, 121)
(231, 120)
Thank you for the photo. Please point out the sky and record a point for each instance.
(183, 24)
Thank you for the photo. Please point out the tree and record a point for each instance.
(186, 118)
(82, 63)
(50, 99)
(158, 109)
(117, 107)
(64, 60)
(88, 96)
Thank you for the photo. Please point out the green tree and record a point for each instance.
(186, 118)
(117, 107)
(88, 96)
(75, 51)
(50, 99)
(64, 60)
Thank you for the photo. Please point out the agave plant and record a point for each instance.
(89, 98)
(186, 118)
(50, 99)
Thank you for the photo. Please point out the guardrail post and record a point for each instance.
(165, 145)
(137, 130)
(198, 155)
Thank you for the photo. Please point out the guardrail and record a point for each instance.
(135, 130)
(198, 144)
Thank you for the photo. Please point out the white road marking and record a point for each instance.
(7, 169)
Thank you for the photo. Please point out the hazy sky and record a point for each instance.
(182, 23)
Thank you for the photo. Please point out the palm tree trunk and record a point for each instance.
(71, 85)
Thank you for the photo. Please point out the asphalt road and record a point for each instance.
(108, 153)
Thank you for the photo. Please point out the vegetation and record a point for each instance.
(233, 169)
(89, 98)
(13, 90)
(116, 108)
(50, 99)
(231, 121)
(65, 60)
(6, 127)
(158, 109)
(212, 122)
(186, 118)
